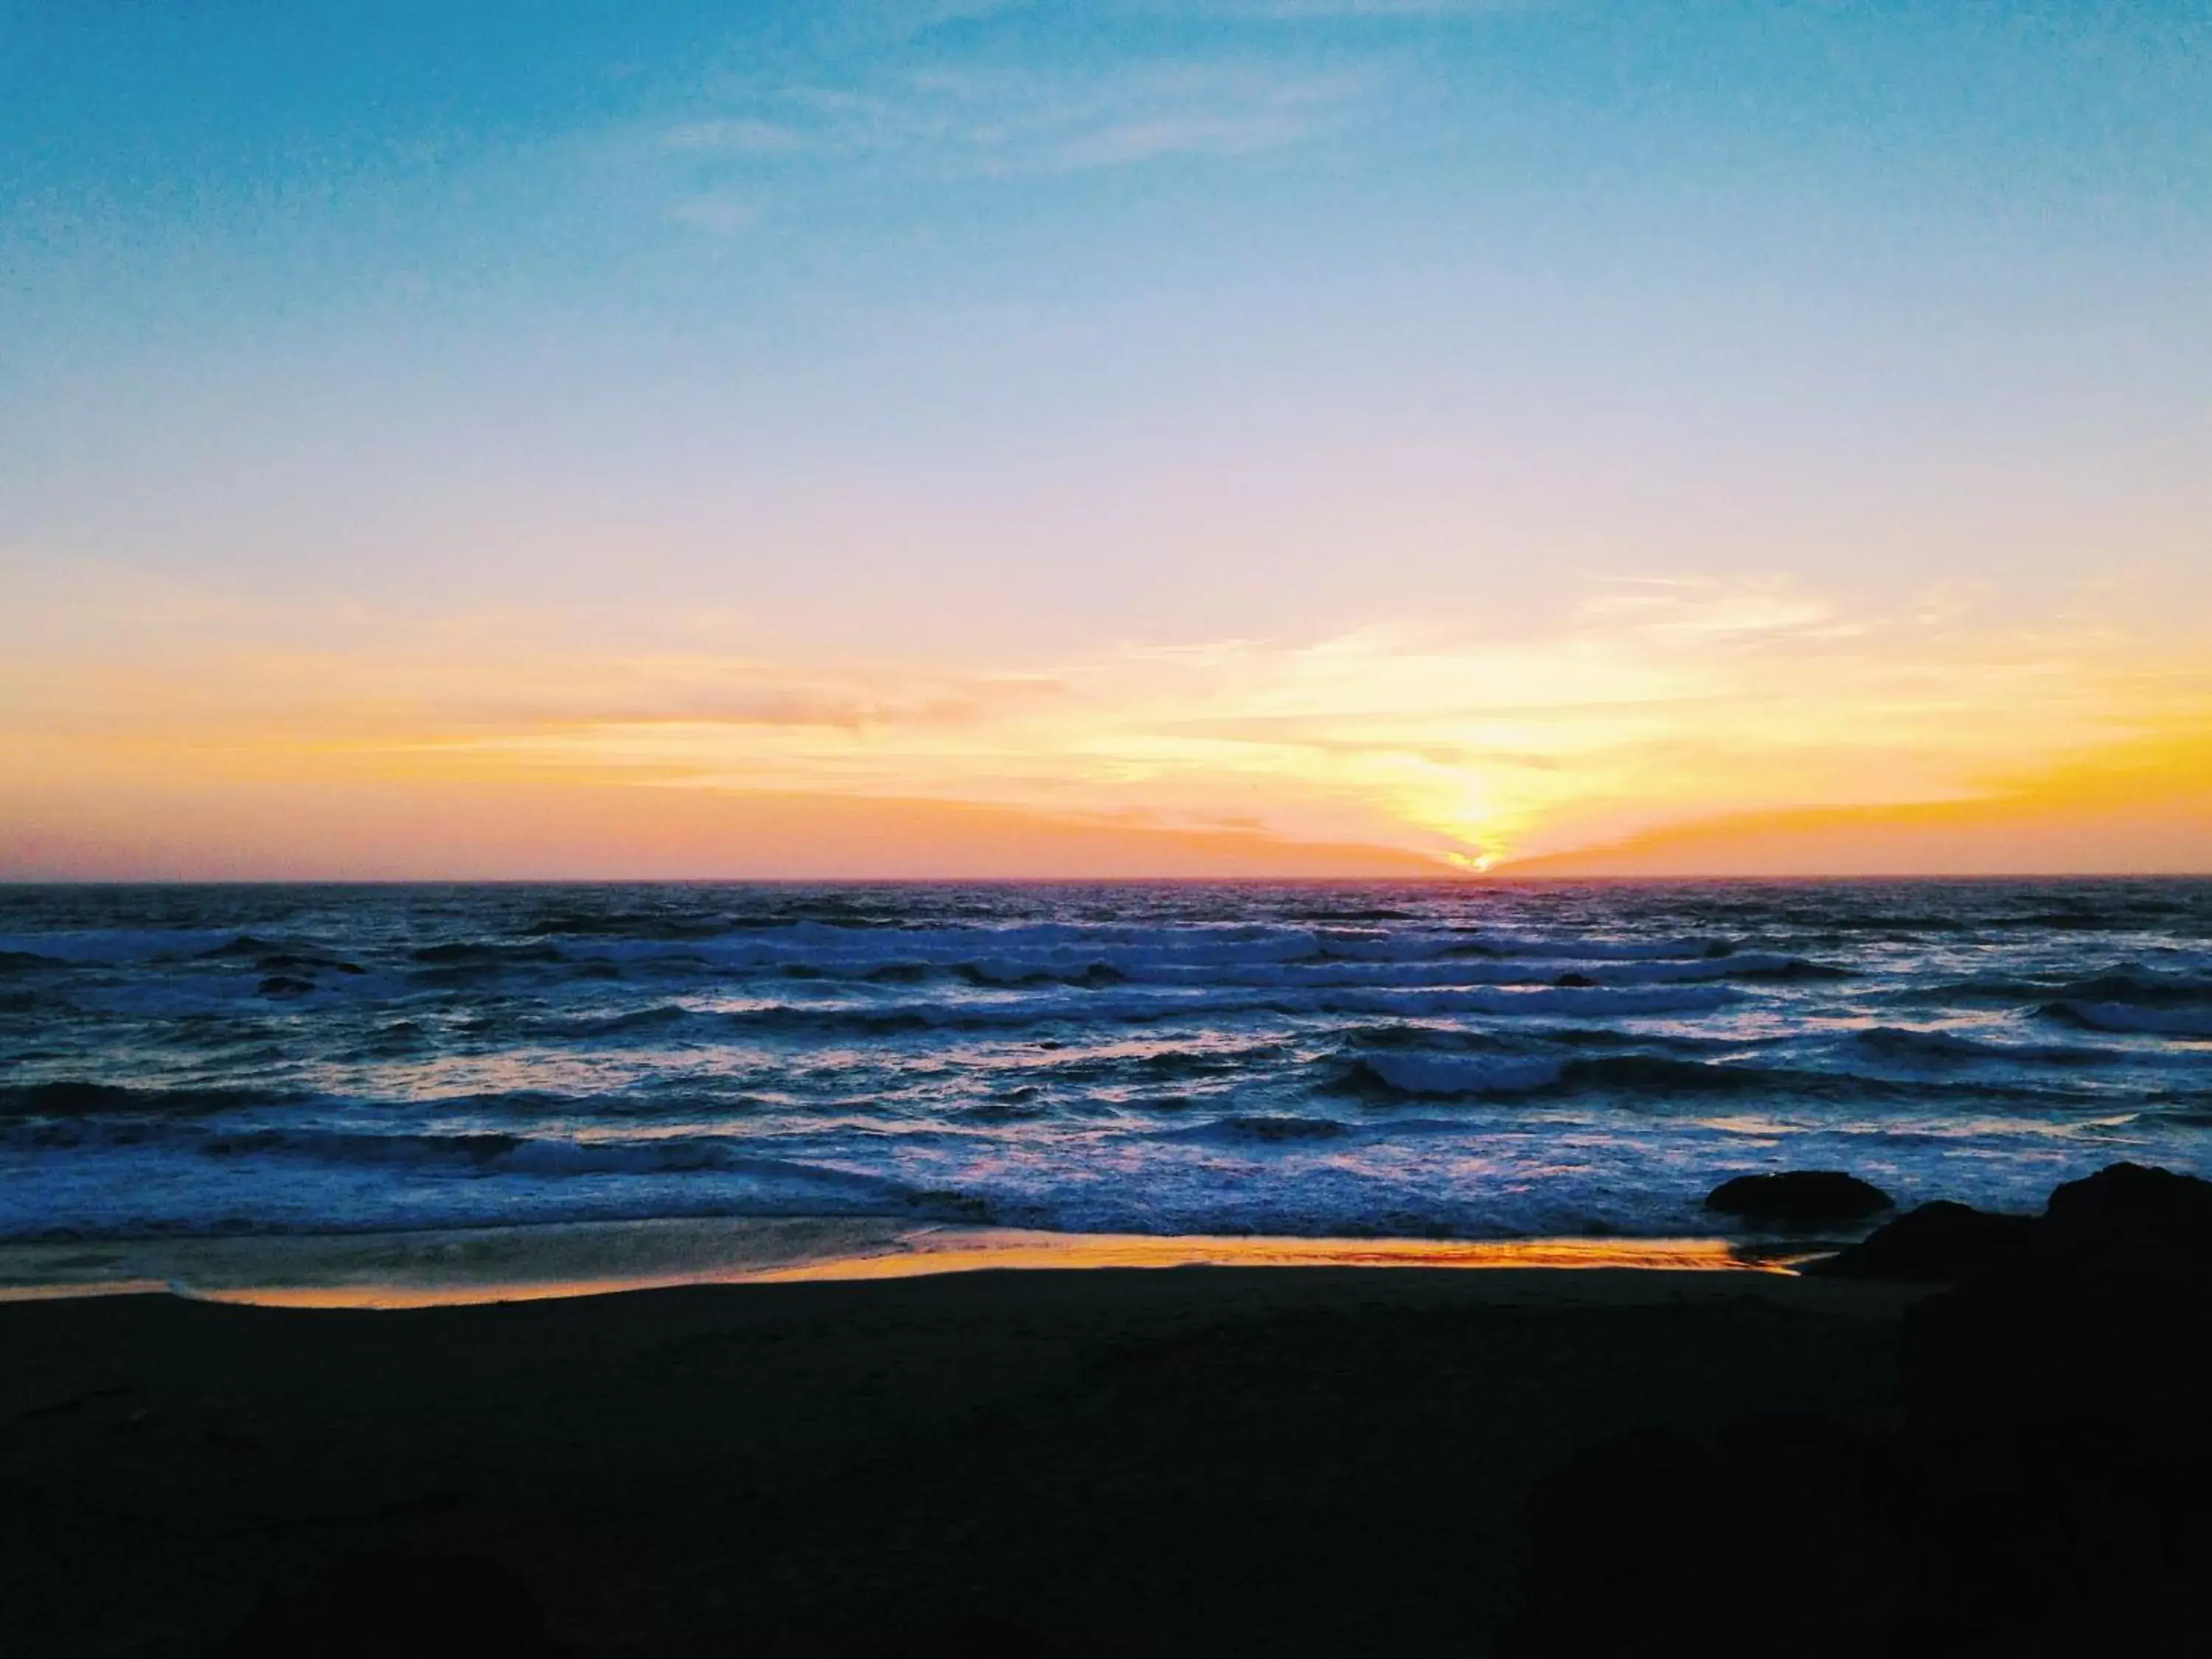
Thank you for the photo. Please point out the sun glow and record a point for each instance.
(1642, 719)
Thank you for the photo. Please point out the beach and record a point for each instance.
(1193, 1460)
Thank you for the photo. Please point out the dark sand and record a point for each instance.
(1206, 1460)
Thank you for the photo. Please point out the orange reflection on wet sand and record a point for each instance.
(951, 1251)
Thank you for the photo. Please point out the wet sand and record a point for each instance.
(1213, 1460)
(460, 1266)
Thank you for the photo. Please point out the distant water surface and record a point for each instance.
(1469, 1060)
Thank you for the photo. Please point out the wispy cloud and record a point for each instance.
(972, 120)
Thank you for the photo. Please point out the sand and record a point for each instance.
(1208, 1459)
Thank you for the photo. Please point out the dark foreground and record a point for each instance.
(1981, 1436)
(1191, 1461)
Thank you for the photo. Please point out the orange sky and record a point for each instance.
(1694, 727)
(2135, 809)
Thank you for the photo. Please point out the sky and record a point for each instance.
(537, 438)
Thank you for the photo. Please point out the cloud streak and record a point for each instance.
(975, 121)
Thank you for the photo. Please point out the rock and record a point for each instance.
(2102, 1319)
(382, 1604)
(2042, 1492)
(2129, 1207)
(284, 985)
(1799, 1198)
(1574, 982)
(1941, 1240)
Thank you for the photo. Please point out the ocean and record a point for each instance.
(1468, 1060)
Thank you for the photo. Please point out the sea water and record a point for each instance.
(1474, 1060)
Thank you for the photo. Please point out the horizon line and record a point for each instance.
(1464, 878)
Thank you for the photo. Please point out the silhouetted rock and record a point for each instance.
(1799, 1198)
(393, 1604)
(2128, 1206)
(2104, 1314)
(2044, 1496)
(1937, 1241)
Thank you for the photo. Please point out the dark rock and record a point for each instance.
(2104, 1316)
(1799, 1198)
(1941, 1240)
(284, 985)
(2127, 1207)
(2042, 1495)
(1574, 982)
(388, 1604)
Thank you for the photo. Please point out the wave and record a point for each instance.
(1658, 1077)
(1140, 1007)
(1918, 1047)
(1749, 965)
(1458, 1074)
(69, 1097)
(474, 1154)
(115, 945)
(1971, 990)
(1262, 1130)
(471, 953)
(1600, 949)
(1243, 956)
(1449, 1075)
(2134, 1018)
(1665, 1074)
(661, 1019)
(1166, 1065)
(1586, 1002)
(2134, 983)
(622, 925)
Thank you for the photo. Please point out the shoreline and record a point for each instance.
(478, 1266)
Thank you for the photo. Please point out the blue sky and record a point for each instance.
(992, 334)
